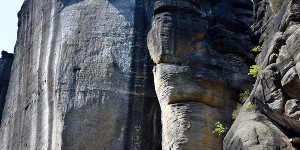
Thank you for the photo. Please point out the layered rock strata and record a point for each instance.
(275, 123)
(5, 66)
(81, 78)
(82, 75)
(201, 57)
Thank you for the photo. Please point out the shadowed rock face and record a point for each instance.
(200, 55)
(276, 94)
(5, 66)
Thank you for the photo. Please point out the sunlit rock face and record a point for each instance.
(5, 66)
(152, 74)
(275, 123)
(201, 57)
(81, 78)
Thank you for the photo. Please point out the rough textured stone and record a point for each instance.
(276, 28)
(292, 109)
(81, 78)
(5, 66)
(253, 130)
(291, 83)
(201, 58)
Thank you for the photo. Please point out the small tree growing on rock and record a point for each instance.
(257, 49)
(255, 71)
(219, 128)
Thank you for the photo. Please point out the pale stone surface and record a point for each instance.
(82, 75)
(292, 109)
(253, 130)
(82, 78)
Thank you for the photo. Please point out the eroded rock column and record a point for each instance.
(194, 83)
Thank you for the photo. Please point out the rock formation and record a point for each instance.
(201, 60)
(153, 74)
(275, 123)
(82, 78)
(5, 65)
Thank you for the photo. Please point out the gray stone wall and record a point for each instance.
(275, 123)
(81, 78)
(139, 74)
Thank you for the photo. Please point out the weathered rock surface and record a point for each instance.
(81, 78)
(83, 75)
(5, 66)
(201, 58)
(276, 94)
(253, 130)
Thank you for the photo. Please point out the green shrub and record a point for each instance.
(219, 128)
(255, 71)
(257, 49)
(236, 112)
(251, 108)
(244, 96)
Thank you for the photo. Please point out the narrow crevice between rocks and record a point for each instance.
(174, 9)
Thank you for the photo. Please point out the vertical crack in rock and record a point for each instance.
(6, 62)
(141, 80)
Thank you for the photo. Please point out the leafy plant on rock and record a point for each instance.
(255, 71)
(251, 108)
(244, 96)
(219, 128)
(257, 49)
(236, 112)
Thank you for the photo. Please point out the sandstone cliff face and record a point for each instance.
(83, 75)
(5, 66)
(82, 78)
(276, 93)
(201, 57)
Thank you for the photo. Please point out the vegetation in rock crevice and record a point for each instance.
(256, 49)
(251, 108)
(220, 128)
(255, 71)
(236, 112)
(243, 97)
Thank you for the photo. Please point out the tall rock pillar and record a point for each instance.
(196, 79)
